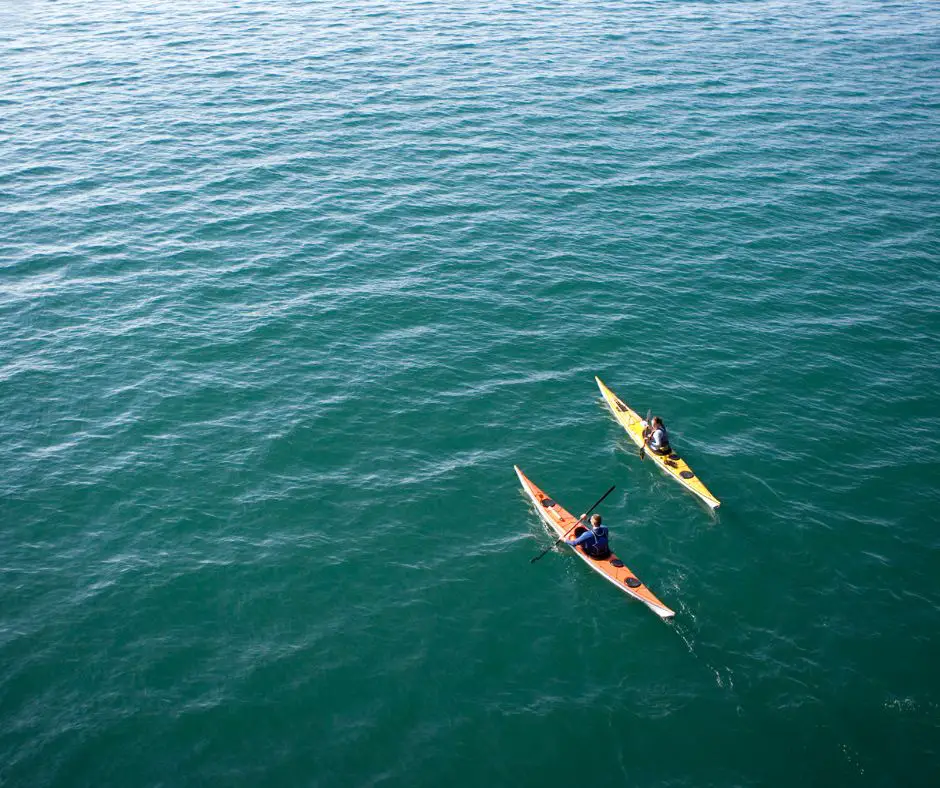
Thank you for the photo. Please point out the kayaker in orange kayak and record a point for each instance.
(656, 436)
(594, 539)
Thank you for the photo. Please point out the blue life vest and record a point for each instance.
(659, 440)
(600, 547)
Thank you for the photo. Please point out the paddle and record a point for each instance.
(649, 414)
(596, 504)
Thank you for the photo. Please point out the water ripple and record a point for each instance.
(285, 291)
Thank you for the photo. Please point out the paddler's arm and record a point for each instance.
(580, 520)
(580, 539)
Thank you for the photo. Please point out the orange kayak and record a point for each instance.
(559, 520)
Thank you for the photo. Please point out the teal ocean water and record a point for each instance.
(286, 289)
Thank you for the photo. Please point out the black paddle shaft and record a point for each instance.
(596, 504)
(649, 413)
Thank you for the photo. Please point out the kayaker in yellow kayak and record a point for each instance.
(594, 539)
(656, 436)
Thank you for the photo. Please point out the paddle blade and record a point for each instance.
(544, 552)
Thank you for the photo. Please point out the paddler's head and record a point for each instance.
(595, 520)
(658, 422)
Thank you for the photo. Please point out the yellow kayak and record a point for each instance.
(672, 464)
